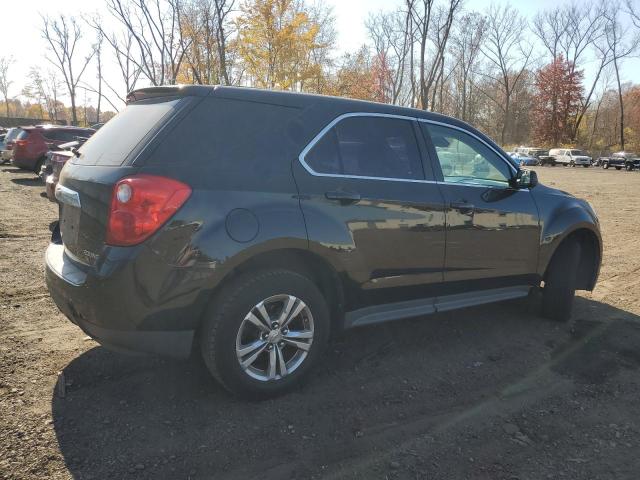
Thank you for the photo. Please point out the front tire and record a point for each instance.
(605, 165)
(560, 282)
(264, 331)
(628, 167)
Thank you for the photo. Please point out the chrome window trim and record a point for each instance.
(335, 121)
(339, 118)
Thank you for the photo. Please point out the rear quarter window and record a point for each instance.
(119, 137)
(229, 139)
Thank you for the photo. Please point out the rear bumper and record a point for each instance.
(26, 163)
(89, 303)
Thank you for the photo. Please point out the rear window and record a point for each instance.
(22, 135)
(113, 143)
(12, 134)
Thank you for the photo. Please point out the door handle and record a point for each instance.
(345, 198)
(463, 207)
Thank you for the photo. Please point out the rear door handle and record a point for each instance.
(345, 198)
(463, 207)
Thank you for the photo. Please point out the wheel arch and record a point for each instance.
(301, 261)
(590, 256)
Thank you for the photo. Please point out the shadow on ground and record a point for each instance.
(28, 182)
(142, 417)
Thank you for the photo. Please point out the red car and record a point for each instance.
(33, 143)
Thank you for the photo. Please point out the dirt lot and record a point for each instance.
(491, 392)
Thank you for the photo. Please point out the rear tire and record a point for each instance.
(38, 166)
(229, 330)
(628, 167)
(618, 168)
(605, 165)
(560, 282)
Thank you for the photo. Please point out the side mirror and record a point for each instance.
(525, 179)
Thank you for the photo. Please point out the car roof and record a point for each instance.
(287, 99)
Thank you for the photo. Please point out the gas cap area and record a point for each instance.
(242, 225)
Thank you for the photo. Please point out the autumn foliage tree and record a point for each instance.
(556, 101)
(277, 39)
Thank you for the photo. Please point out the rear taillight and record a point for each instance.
(21, 143)
(140, 205)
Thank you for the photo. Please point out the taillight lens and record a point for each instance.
(21, 143)
(140, 205)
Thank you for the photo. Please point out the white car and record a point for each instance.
(571, 157)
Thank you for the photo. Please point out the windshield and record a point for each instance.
(578, 153)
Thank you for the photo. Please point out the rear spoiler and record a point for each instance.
(170, 91)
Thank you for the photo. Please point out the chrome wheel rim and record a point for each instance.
(274, 338)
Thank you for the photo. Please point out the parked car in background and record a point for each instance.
(541, 154)
(570, 157)
(2, 137)
(619, 160)
(47, 168)
(210, 239)
(50, 172)
(526, 160)
(33, 143)
(9, 141)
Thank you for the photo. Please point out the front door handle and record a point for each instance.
(345, 198)
(463, 207)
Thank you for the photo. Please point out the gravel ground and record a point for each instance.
(492, 393)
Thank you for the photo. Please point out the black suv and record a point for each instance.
(619, 160)
(249, 224)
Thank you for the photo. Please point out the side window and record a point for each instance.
(368, 147)
(465, 159)
(324, 156)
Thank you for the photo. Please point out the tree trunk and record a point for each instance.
(74, 116)
(615, 64)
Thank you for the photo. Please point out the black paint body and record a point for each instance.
(252, 198)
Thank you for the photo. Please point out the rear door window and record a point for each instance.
(368, 146)
(113, 143)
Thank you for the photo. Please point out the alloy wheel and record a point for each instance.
(275, 337)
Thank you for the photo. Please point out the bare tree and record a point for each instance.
(206, 24)
(63, 36)
(432, 27)
(154, 26)
(466, 44)
(121, 44)
(551, 26)
(5, 83)
(508, 55)
(621, 45)
(391, 41)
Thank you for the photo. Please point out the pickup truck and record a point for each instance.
(627, 160)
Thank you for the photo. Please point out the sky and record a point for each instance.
(21, 24)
